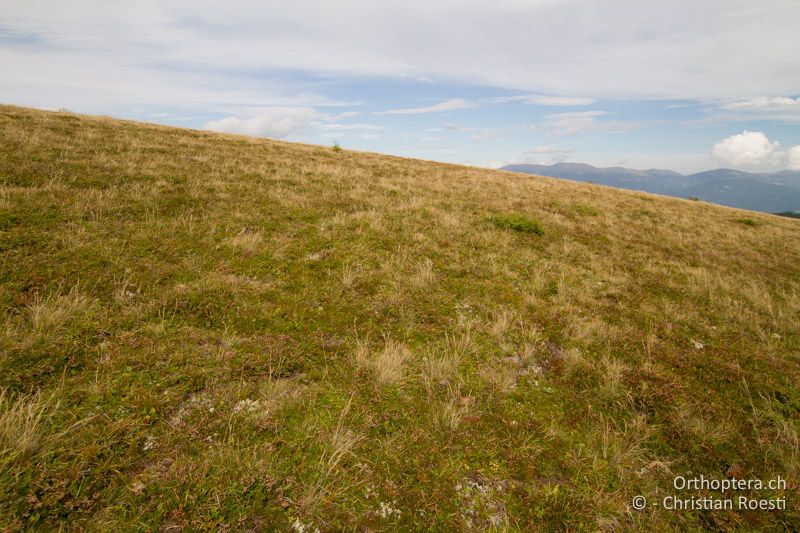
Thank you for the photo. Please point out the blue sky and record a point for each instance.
(643, 84)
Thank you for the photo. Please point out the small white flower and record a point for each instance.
(386, 510)
(247, 406)
(149, 442)
(300, 527)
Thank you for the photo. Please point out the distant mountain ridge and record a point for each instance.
(768, 192)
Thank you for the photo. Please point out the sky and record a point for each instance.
(683, 85)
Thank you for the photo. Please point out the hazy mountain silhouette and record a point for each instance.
(772, 192)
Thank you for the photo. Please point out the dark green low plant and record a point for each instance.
(749, 222)
(517, 222)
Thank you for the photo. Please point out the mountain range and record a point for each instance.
(770, 192)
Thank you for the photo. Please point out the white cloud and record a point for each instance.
(765, 103)
(531, 158)
(577, 120)
(449, 105)
(451, 126)
(281, 121)
(560, 101)
(793, 158)
(335, 126)
(275, 122)
(489, 134)
(537, 155)
(347, 114)
(753, 149)
(544, 100)
(773, 108)
(747, 149)
(550, 149)
(608, 49)
(581, 122)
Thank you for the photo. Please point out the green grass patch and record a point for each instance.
(749, 222)
(585, 210)
(517, 222)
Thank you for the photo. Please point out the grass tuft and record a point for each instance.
(385, 366)
(517, 222)
(749, 222)
(21, 423)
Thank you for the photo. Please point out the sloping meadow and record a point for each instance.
(204, 331)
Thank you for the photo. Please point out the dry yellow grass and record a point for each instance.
(20, 424)
(440, 369)
(387, 365)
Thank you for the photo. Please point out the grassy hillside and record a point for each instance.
(206, 331)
